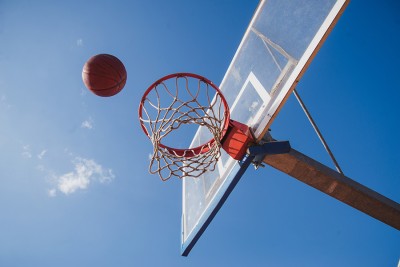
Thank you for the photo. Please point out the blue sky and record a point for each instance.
(74, 185)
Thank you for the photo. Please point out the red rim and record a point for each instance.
(188, 152)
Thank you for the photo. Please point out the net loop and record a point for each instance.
(173, 102)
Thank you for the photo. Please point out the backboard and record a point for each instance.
(277, 47)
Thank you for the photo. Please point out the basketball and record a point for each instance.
(104, 75)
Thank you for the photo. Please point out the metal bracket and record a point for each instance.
(268, 148)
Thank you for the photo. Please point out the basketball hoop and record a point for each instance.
(182, 99)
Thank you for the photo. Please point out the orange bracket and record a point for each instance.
(237, 139)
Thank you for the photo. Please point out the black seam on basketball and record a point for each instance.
(102, 75)
(115, 59)
(99, 69)
(104, 66)
(116, 82)
(102, 71)
(107, 60)
(108, 88)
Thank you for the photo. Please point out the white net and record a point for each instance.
(173, 103)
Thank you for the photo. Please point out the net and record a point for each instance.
(173, 102)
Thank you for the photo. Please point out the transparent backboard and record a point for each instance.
(280, 42)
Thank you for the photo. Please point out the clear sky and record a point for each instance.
(74, 185)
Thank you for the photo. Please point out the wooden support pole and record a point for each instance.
(325, 179)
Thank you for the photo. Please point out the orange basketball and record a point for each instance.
(104, 75)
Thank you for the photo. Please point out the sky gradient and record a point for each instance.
(74, 183)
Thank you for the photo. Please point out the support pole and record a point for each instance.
(319, 176)
(317, 131)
